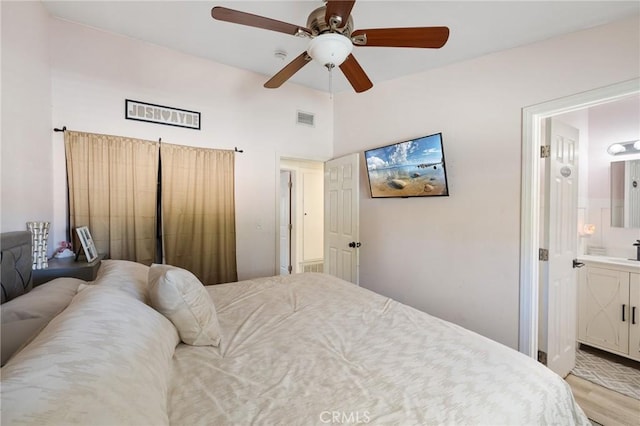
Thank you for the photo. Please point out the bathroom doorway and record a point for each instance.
(532, 210)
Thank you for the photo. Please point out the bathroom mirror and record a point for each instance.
(625, 194)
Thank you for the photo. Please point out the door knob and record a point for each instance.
(353, 244)
(577, 264)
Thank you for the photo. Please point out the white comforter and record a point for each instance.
(298, 350)
(312, 349)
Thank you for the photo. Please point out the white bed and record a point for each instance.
(302, 349)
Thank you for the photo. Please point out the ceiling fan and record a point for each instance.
(330, 28)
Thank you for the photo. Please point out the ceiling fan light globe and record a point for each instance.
(330, 49)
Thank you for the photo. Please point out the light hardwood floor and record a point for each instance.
(604, 406)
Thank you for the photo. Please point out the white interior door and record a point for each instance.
(559, 274)
(341, 213)
(285, 222)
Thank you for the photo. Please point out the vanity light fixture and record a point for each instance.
(621, 148)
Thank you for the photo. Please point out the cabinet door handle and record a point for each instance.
(633, 315)
(623, 309)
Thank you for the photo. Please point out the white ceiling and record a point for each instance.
(477, 28)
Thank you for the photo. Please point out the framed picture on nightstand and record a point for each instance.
(87, 244)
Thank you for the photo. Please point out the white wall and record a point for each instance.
(457, 257)
(26, 116)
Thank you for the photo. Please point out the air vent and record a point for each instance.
(313, 267)
(305, 118)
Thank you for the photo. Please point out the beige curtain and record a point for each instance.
(198, 211)
(112, 190)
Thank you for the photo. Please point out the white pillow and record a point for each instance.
(180, 296)
(44, 301)
(25, 316)
(105, 360)
(125, 275)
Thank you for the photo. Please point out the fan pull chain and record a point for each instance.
(331, 83)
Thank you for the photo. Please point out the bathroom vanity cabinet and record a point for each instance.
(609, 305)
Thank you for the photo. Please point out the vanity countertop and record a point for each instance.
(617, 261)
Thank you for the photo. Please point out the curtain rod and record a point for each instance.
(64, 129)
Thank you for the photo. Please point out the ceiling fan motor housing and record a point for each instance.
(318, 25)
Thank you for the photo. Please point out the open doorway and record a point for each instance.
(603, 345)
(531, 209)
(301, 213)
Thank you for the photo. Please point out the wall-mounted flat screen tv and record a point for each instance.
(414, 168)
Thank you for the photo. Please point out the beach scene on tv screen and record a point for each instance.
(413, 168)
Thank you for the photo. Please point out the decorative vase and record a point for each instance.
(39, 236)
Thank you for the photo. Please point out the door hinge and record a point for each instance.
(290, 226)
(542, 357)
(543, 255)
(290, 268)
(545, 151)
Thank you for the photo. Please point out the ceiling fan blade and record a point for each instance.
(243, 18)
(427, 37)
(288, 71)
(341, 8)
(355, 74)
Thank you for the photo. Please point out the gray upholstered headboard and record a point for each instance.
(16, 259)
